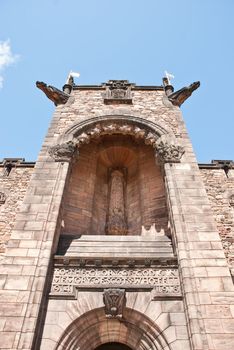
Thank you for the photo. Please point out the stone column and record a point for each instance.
(116, 218)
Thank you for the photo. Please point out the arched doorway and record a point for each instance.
(113, 346)
(94, 331)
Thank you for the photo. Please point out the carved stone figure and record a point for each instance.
(114, 300)
(116, 219)
(57, 96)
(177, 98)
(168, 152)
(63, 152)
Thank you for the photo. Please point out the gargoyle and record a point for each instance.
(177, 98)
(57, 96)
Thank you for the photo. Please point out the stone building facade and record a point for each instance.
(116, 238)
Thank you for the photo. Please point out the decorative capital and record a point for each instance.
(114, 300)
(118, 91)
(63, 152)
(168, 152)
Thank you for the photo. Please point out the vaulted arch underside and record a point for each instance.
(94, 329)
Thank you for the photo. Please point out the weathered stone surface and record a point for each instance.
(164, 204)
(13, 187)
(220, 190)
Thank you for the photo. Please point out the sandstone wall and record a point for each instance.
(220, 189)
(147, 104)
(13, 187)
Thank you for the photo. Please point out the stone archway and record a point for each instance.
(113, 346)
(94, 331)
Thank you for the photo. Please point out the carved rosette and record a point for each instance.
(116, 219)
(168, 152)
(114, 300)
(63, 152)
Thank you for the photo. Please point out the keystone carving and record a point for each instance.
(177, 98)
(63, 152)
(114, 300)
(168, 152)
(57, 96)
(118, 90)
(2, 198)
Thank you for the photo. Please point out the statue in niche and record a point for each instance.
(116, 217)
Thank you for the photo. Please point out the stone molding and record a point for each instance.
(78, 127)
(167, 149)
(114, 300)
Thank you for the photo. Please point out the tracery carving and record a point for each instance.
(114, 300)
(116, 218)
(63, 152)
(118, 91)
(2, 198)
(168, 152)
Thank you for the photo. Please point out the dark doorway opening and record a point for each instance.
(113, 346)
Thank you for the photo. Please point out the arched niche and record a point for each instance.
(114, 158)
(129, 150)
(93, 330)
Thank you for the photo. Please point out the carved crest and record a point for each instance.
(115, 301)
(118, 91)
(2, 198)
(168, 152)
(63, 152)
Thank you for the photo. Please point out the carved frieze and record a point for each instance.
(167, 151)
(118, 91)
(110, 128)
(63, 152)
(164, 281)
(114, 300)
(2, 198)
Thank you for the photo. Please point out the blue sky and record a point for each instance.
(125, 39)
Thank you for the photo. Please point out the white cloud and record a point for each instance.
(6, 58)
